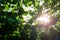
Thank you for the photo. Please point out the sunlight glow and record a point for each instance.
(44, 18)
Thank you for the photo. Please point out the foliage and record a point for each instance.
(18, 18)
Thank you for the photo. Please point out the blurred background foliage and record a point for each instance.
(18, 19)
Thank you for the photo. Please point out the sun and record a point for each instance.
(44, 18)
(44, 21)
